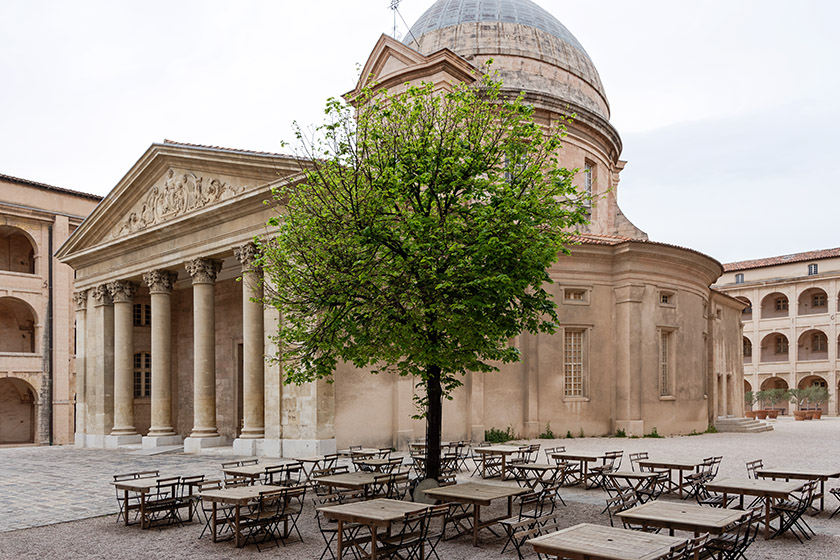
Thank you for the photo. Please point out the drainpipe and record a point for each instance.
(49, 340)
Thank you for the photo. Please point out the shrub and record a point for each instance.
(620, 433)
(569, 435)
(494, 435)
(547, 434)
(653, 434)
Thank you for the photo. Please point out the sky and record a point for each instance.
(728, 109)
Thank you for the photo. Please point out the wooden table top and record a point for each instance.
(600, 542)
(499, 449)
(672, 463)
(369, 451)
(372, 462)
(540, 467)
(313, 459)
(141, 485)
(800, 473)
(259, 468)
(682, 516)
(754, 487)
(474, 493)
(580, 455)
(379, 512)
(237, 494)
(353, 480)
(634, 474)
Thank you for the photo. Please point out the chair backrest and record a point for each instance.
(550, 495)
(716, 466)
(147, 474)
(636, 457)
(612, 459)
(530, 505)
(214, 484)
(753, 467)
(555, 449)
(247, 462)
(690, 549)
(237, 480)
(231, 464)
(190, 483)
(384, 452)
(355, 448)
(330, 460)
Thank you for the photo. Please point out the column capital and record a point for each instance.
(246, 255)
(160, 281)
(203, 271)
(80, 299)
(102, 295)
(122, 291)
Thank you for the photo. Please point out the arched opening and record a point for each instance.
(747, 386)
(17, 251)
(747, 351)
(774, 305)
(776, 383)
(774, 348)
(812, 345)
(814, 381)
(17, 326)
(17, 411)
(746, 313)
(812, 301)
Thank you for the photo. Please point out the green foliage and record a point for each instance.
(818, 395)
(620, 433)
(775, 396)
(653, 434)
(569, 435)
(749, 398)
(580, 435)
(418, 237)
(694, 433)
(494, 435)
(762, 397)
(711, 430)
(547, 434)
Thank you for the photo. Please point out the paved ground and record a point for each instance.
(42, 488)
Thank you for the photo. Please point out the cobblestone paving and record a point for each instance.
(46, 485)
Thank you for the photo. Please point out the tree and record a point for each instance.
(418, 238)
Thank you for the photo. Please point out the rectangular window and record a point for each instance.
(142, 374)
(812, 269)
(587, 179)
(819, 300)
(142, 315)
(665, 388)
(819, 343)
(781, 304)
(739, 278)
(573, 363)
(781, 345)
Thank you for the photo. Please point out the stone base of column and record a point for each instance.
(242, 446)
(80, 439)
(308, 447)
(270, 447)
(153, 442)
(113, 442)
(632, 428)
(196, 444)
(477, 433)
(95, 441)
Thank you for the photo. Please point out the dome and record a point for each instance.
(514, 29)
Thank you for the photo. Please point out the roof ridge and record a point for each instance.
(37, 184)
(225, 149)
(782, 259)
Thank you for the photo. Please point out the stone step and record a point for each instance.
(742, 425)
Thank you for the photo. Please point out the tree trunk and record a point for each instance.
(434, 422)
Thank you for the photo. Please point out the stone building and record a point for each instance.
(644, 342)
(790, 335)
(36, 319)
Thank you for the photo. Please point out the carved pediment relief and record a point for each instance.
(177, 193)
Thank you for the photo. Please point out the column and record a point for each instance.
(253, 360)
(80, 299)
(122, 294)
(161, 433)
(99, 397)
(204, 434)
(628, 357)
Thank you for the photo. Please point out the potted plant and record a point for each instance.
(761, 413)
(799, 396)
(819, 396)
(749, 400)
(774, 397)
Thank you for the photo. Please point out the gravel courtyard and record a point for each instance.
(57, 502)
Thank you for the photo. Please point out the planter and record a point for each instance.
(749, 414)
(817, 414)
(809, 415)
(798, 415)
(772, 414)
(761, 414)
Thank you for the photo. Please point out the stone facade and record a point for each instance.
(644, 342)
(37, 384)
(791, 336)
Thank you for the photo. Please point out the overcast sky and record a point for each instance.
(728, 109)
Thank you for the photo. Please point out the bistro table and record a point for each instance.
(600, 542)
(359, 480)
(311, 463)
(477, 495)
(363, 452)
(236, 496)
(254, 472)
(682, 517)
(802, 474)
(582, 457)
(638, 481)
(373, 463)
(143, 487)
(536, 475)
(504, 451)
(769, 490)
(379, 513)
(679, 465)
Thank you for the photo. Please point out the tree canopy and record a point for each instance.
(418, 238)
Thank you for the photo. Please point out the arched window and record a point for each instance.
(747, 348)
(142, 374)
(17, 254)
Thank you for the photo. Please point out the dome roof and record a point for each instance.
(512, 32)
(444, 13)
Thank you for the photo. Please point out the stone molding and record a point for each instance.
(102, 295)
(203, 271)
(160, 281)
(122, 291)
(173, 196)
(80, 299)
(246, 254)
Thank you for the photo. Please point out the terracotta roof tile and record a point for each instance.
(784, 259)
(29, 183)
